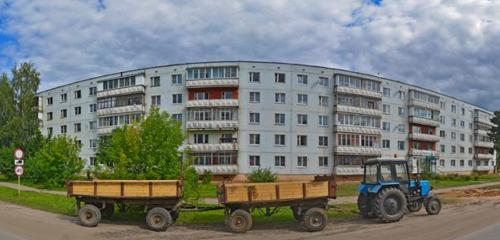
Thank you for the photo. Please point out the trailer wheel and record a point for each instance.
(432, 205)
(158, 219)
(239, 221)
(297, 214)
(108, 211)
(89, 215)
(315, 219)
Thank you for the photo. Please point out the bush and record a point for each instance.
(55, 162)
(206, 177)
(262, 175)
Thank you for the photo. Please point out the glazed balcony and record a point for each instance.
(481, 132)
(121, 91)
(213, 103)
(348, 170)
(229, 169)
(484, 144)
(484, 121)
(358, 110)
(423, 121)
(422, 152)
(106, 130)
(357, 129)
(484, 168)
(483, 156)
(214, 147)
(212, 125)
(424, 137)
(358, 91)
(358, 151)
(424, 104)
(218, 82)
(121, 110)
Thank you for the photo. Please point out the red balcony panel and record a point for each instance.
(213, 93)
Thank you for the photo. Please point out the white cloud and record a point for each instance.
(449, 46)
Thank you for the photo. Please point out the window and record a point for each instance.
(212, 72)
(302, 119)
(227, 95)
(442, 148)
(470, 163)
(401, 128)
(78, 94)
(176, 79)
(302, 79)
(462, 137)
(386, 126)
(323, 101)
(254, 77)
(200, 95)
(279, 139)
(386, 109)
(78, 110)
(302, 140)
(462, 163)
(453, 163)
(177, 116)
(323, 141)
(302, 161)
(49, 101)
(302, 99)
(386, 143)
(442, 133)
(92, 91)
(453, 110)
(200, 138)
(453, 135)
(279, 119)
(64, 113)
(93, 107)
(462, 124)
(177, 98)
(156, 100)
(254, 160)
(77, 127)
(64, 97)
(470, 150)
(64, 129)
(323, 120)
(463, 113)
(441, 162)
(442, 119)
(387, 92)
(78, 143)
(454, 122)
(50, 131)
(401, 94)
(401, 111)
(254, 118)
(93, 125)
(279, 77)
(49, 116)
(401, 145)
(453, 149)
(254, 139)
(323, 161)
(280, 98)
(155, 81)
(255, 97)
(462, 150)
(279, 161)
(442, 105)
(324, 82)
(93, 143)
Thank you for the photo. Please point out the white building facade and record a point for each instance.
(298, 120)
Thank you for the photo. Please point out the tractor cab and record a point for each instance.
(387, 190)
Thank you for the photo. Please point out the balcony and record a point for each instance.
(484, 168)
(357, 91)
(120, 110)
(217, 169)
(214, 125)
(213, 103)
(357, 129)
(358, 110)
(106, 130)
(424, 104)
(121, 91)
(348, 170)
(421, 152)
(213, 147)
(484, 121)
(201, 83)
(486, 156)
(358, 150)
(424, 137)
(481, 132)
(484, 144)
(423, 121)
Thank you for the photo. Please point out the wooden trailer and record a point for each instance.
(161, 199)
(307, 199)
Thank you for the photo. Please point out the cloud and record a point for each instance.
(449, 46)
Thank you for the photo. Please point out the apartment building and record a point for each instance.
(298, 120)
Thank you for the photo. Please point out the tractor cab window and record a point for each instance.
(386, 173)
(371, 173)
(401, 173)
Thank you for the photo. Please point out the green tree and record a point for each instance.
(6, 110)
(57, 161)
(495, 135)
(262, 175)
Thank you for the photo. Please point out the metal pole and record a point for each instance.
(18, 186)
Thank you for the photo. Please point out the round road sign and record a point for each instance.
(18, 153)
(19, 170)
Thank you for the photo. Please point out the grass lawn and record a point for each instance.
(42, 201)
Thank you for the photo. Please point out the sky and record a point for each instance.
(450, 46)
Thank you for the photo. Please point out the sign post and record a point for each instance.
(19, 170)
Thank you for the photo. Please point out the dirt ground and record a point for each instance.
(467, 212)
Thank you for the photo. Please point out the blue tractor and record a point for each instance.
(387, 191)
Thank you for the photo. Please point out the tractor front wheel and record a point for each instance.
(432, 205)
(364, 206)
(415, 206)
(389, 205)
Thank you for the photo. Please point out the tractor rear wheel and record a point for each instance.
(415, 206)
(389, 205)
(365, 206)
(432, 205)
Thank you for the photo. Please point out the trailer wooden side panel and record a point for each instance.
(290, 190)
(126, 188)
(108, 189)
(316, 189)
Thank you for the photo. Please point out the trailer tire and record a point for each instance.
(365, 206)
(158, 219)
(390, 205)
(315, 219)
(240, 221)
(89, 215)
(107, 212)
(432, 205)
